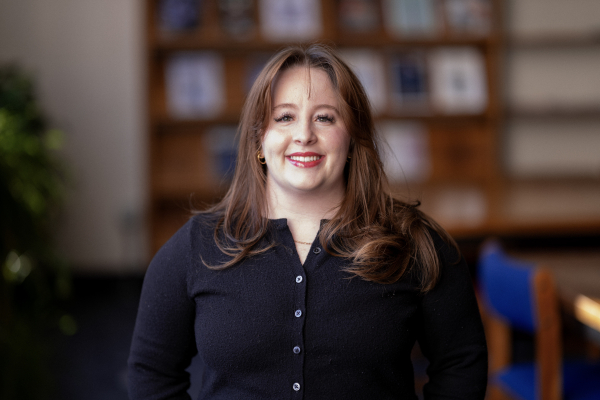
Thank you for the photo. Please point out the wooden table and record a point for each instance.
(577, 276)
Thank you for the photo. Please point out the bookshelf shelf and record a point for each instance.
(460, 142)
(557, 205)
(555, 112)
(386, 42)
(505, 227)
(225, 45)
(554, 40)
(523, 207)
(228, 45)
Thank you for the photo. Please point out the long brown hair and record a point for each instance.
(383, 236)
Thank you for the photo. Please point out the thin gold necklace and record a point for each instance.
(297, 241)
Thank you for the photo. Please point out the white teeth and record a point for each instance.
(305, 159)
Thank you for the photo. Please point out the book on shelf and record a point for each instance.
(409, 86)
(359, 15)
(178, 15)
(290, 20)
(221, 141)
(412, 18)
(469, 17)
(195, 85)
(406, 156)
(237, 18)
(369, 67)
(458, 80)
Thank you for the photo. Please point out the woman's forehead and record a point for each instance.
(303, 81)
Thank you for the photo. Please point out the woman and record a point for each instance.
(308, 280)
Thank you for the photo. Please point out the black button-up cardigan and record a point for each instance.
(272, 328)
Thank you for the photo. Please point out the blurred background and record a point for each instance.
(490, 110)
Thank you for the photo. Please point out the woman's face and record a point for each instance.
(306, 143)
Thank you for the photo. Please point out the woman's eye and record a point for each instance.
(324, 118)
(284, 118)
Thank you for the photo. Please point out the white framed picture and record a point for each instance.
(405, 154)
(195, 85)
(369, 67)
(409, 18)
(472, 17)
(458, 80)
(290, 20)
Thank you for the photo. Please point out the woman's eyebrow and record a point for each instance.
(328, 106)
(284, 105)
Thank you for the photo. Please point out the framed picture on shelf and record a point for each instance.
(359, 16)
(468, 17)
(290, 20)
(178, 15)
(236, 18)
(406, 155)
(412, 18)
(369, 67)
(195, 85)
(409, 86)
(458, 80)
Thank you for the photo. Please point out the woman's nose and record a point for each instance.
(304, 134)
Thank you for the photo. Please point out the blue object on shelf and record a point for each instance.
(179, 15)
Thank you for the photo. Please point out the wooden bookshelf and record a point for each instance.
(463, 147)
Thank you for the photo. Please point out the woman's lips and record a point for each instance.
(305, 160)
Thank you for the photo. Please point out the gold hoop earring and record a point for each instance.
(260, 159)
(348, 159)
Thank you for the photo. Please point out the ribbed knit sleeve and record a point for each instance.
(451, 335)
(163, 339)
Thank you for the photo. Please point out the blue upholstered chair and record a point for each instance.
(522, 296)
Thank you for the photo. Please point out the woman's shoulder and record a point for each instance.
(445, 246)
(203, 222)
(191, 239)
(198, 224)
(435, 251)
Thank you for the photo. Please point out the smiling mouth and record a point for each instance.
(305, 159)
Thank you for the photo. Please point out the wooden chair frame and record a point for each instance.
(548, 340)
